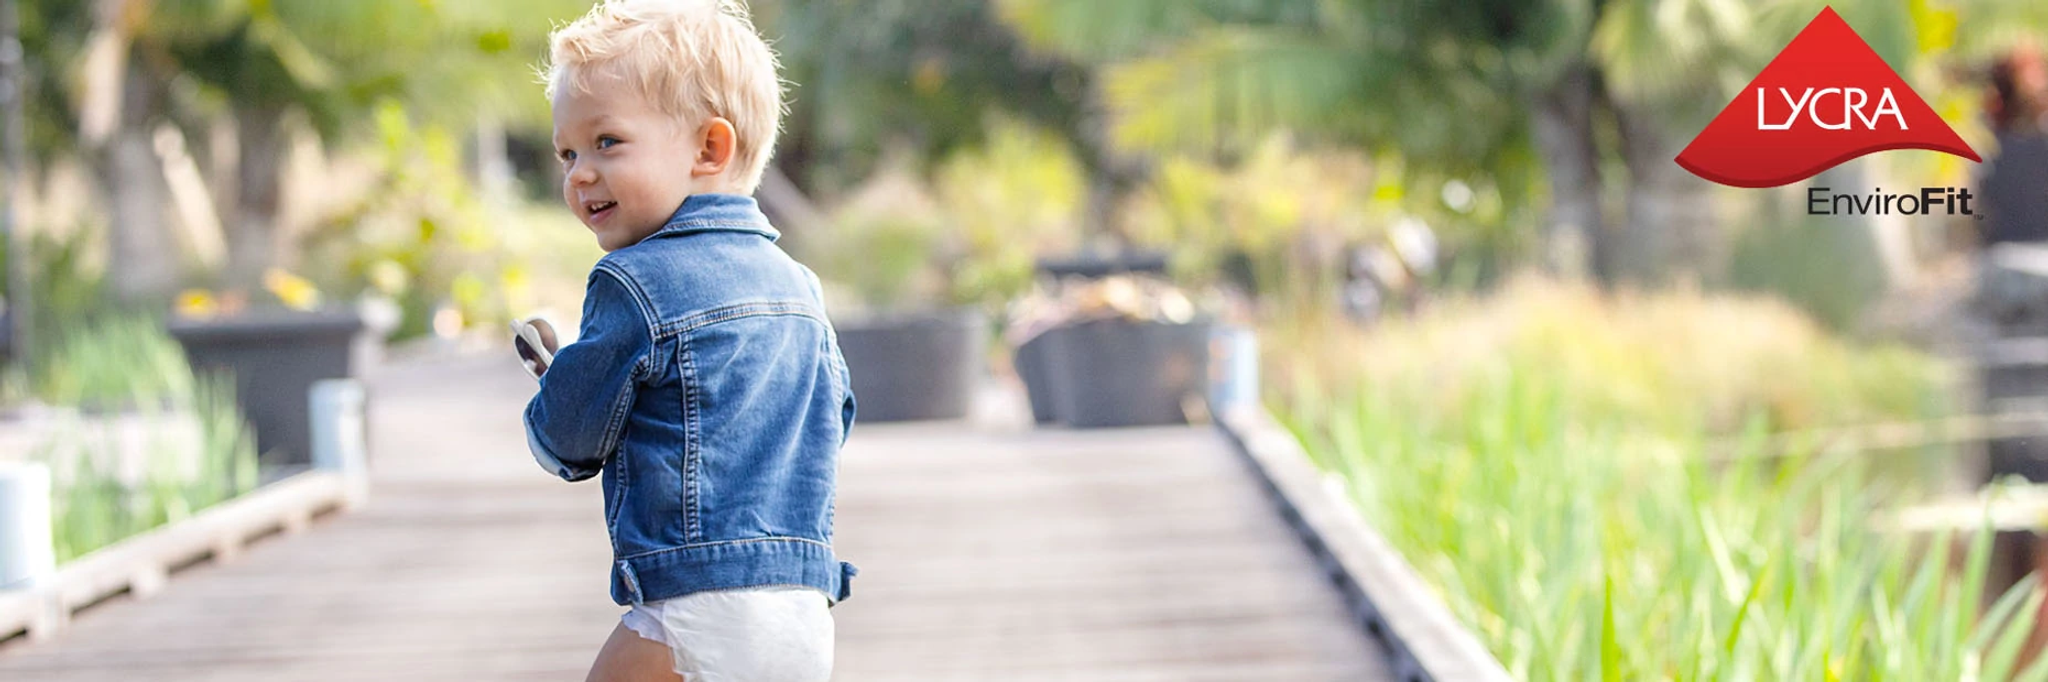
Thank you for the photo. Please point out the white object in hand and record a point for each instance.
(534, 338)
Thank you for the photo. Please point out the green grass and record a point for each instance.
(114, 363)
(129, 363)
(1543, 466)
(94, 508)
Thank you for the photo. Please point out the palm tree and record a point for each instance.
(1420, 79)
(925, 76)
(1465, 87)
(261, 63)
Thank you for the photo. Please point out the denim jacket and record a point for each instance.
(707, 387)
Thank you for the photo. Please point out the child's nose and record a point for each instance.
(582, 175)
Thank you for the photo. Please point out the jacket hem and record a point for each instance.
(689, 569)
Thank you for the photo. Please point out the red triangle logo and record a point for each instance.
(1825, 99)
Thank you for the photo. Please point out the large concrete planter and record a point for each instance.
(916, 366)
(1034, 365)
(2013, 374)
(1118, 372)
(275, 359)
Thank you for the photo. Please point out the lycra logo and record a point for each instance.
(1825, 99)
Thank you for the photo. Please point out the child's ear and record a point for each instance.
(715, 143)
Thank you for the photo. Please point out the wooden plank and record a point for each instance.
(142, 564)
(1427, 641)
(986, 554)
(1126, 554)
(1999, 507)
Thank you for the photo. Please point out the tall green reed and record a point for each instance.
(1585, 536)
(128, 366)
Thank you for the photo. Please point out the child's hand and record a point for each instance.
(534, 339)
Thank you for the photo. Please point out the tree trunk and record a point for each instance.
(14, 309)
(1562, 124)
(252, 235)
(141, 265)
(1672, 232)
(1110, 175)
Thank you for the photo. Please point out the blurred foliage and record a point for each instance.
(420, 236)
(923, 76)
(1544, 458)
(1281, 219)
(112, 363)
(885, 259)
(103, 375)
(1664, 363)
(92, 507)
(53, 35)
(970, 235)
(1447, 85)
(86, 352)
(1463, 89)
(1774, 254)
(1224, 74)
(68, 282)
(1286, 214)
(448, 59)
(1017, 198)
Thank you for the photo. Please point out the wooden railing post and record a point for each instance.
(1234, 368)
(27, 550)
(340, 437)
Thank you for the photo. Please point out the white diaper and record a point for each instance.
(760, 634)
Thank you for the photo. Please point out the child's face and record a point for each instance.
(625, 164)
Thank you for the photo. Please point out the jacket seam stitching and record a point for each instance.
(724, 543)
(615, 418)
(715, 222)
(693, 228)
(692, 443)
(738, 311)
(640, 301)
(614, 436)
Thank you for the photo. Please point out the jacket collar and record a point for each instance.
(717, 212)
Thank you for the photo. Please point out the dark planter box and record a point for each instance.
(914, 367)
(1115, 373)
(2013, 372)
(275, 358)
(1034, 363)
(1095, 265)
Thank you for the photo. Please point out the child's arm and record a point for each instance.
(573, 423)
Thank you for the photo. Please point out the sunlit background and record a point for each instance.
(1622, 419)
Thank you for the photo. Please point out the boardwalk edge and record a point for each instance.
(1423, 641)
(140, 564)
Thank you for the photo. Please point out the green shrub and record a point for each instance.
(93, 508)
(1541, 459)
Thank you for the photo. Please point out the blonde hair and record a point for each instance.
(693, 59)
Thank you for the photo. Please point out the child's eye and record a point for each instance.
(566, 155)
(606, 141)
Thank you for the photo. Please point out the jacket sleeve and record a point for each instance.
(573, 423)
(849, 407)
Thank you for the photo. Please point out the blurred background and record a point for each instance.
(1583, 391)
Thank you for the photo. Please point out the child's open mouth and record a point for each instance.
(599, 210)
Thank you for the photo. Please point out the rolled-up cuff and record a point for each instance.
(547, 459)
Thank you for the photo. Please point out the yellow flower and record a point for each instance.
(197, 304)
(294, 291)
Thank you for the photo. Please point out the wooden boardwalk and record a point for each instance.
(988, 552)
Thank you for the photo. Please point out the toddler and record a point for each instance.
(706, 385)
